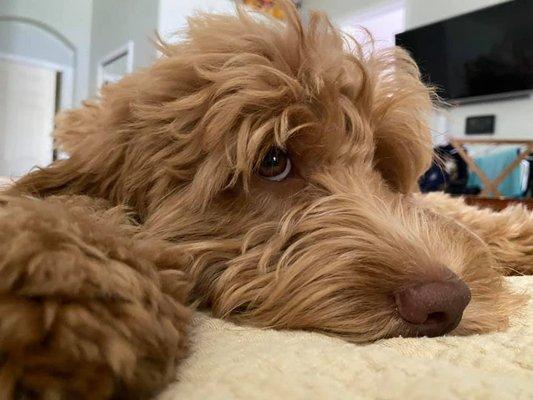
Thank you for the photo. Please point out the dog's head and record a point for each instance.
(280, 159)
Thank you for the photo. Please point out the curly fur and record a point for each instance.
(159, 206)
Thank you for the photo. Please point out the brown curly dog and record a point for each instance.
(262, 170)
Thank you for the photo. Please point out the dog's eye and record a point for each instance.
(276, 165)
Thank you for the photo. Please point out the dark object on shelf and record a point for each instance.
(448, 173)
(479, 125)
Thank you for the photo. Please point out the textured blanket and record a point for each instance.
(232, 362)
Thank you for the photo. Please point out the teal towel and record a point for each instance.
(492, 165)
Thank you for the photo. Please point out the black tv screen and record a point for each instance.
(486, 52)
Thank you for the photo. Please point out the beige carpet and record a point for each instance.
(231, 362)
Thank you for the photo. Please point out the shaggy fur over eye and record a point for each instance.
(161, 207)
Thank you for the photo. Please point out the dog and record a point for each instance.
(265, 171)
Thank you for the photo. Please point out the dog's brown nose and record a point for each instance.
(433, 308)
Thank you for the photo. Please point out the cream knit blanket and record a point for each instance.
(232, 362)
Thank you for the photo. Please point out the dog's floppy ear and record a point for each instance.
(401, 111)
(141, 139)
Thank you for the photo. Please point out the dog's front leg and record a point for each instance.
(82, 313)
(508, 233)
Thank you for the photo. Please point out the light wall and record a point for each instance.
(115, 23)
(70, 18)
(514, 118)
(118, 21)
(173, 14)
(22, 39)
(423, 12)
(338, 10)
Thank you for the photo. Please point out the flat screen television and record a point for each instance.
(488, 52)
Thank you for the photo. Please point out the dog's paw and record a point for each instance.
(63, 347)
(57, 346)
(82, 314)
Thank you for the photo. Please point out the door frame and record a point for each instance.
(122, 51)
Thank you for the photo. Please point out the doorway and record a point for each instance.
(30, 98)
(37, 68)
